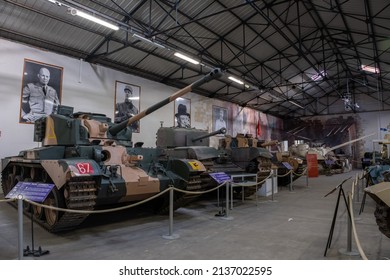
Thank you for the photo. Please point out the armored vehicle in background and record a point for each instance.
(92, 164)
(327, 159)
(192, 143)
(246, 152)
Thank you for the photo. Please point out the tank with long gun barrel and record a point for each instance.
(91, 164)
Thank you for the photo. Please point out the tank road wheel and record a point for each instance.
(9, 184)
(382, 215)
(54, 199)
(38, 211)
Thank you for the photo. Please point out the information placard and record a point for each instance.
(30, 190)
(220, 177)
(287, 165)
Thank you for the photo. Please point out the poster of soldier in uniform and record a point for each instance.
(41, 90)
(127, 100)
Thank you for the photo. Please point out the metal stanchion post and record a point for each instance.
(272, 185)
(359, 187)
(307, 178)
(228, 184)
(349, 251)
(20, 227)
(171, 235)
(291, 180)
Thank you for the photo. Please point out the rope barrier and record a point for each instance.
(360, 249)
(7, 200)
(292, 171)
(117, 208)
(97, 211)
(300, 174)
(202, 192)
(284, 175)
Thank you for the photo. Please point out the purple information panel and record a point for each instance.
(220, 177)
(36, 192)
(287, 165)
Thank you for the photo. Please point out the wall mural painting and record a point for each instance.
(41, 90)
(127, 103)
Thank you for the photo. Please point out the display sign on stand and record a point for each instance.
(36, 192)
(287, 165)
(220, 177)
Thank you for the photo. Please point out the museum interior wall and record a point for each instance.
(93, 88)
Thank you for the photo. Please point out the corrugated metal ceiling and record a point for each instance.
(277, 47)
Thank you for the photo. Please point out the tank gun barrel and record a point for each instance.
(346, 143)
(214, 74)
(270, 143)
(219, 131)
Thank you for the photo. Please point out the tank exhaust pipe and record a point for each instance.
(214, 74)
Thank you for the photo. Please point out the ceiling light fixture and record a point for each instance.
(90, 17)
(370, 69)
(189, 59)
(148, 41)
(236, 80)
(296, 104)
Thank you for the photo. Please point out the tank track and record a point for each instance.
(80, 195)
(263, 171)
(382, 215)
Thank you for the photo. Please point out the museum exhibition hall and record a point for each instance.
(183, 130)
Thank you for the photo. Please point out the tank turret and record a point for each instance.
(171, 137)
(92, 164)
(248, 153)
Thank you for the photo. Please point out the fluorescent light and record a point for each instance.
(182, 56)
(296, 104)
(94, 19)
(236, 80)
(319, 76)
(370, 69)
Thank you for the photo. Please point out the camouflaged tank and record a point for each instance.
(378, 181)
(246, 152)
(92, 164)
(192, 143)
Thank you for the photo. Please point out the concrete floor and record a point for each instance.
(294, 226)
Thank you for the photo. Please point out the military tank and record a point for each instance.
(380, 193)
(192, 143)
(90, 161)
(247, 152)
(327, 159)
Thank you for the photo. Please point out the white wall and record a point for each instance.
(89, 88)
(86, 87)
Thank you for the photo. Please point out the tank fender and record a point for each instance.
(62, 170)
(379, 192)
(186, 167)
